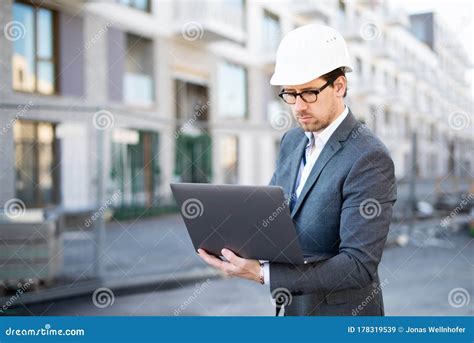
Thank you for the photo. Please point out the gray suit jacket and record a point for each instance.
(342, 218)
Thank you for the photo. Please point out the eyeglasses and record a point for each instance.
(308, 96)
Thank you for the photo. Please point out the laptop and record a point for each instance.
(252, 221)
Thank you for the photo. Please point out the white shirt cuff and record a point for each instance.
(266, 272)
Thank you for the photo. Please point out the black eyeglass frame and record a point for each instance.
(315, 92)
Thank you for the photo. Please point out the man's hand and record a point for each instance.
(237, 266)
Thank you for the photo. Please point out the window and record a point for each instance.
(34, 60)
(232, 88)
(271, 32)
(142, 5)
(193, 161)
(135, 170)
(230, 159)
(342, 6)
(138, 78)
(192, 104)
(36, 163)
(419, 29)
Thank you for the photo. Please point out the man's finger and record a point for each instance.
(214, 261)
(233, 258)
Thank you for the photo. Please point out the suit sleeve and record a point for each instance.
(369, 192)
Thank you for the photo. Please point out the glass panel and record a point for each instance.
(135, 157)
(45, 162)
(138, 89)
(45, 77)
(25, 167)
(135, 170)
(45, 133)
(45, 33)
(232, 88)
(234, 13)
(193, 161)
(125, 2)
(22, 33)
(138, 78)
(141, 5)
(229, 159)
(271, 33)
(24, 131)
(35, 162)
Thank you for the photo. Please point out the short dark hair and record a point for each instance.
(333, 75)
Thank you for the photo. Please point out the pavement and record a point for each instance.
(150, 246)
(151, 269)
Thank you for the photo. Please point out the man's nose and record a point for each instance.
(300, 104)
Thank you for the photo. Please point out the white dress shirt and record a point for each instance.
(320, 140)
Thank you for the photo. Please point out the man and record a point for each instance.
(342, 186)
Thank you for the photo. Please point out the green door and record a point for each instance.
(193, 159)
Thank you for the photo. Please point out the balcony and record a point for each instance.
(384, 51)
(406, 65)
(350, 29)
(313, 10)
(209, 21)
(359, 86)
(397, 17)
(138, 89)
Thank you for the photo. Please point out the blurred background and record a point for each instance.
(104, 103)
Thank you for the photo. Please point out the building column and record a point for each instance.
(96, 70)
(165, 99)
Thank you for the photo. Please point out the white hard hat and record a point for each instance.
(308, 52)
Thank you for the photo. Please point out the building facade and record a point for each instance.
(140, 93)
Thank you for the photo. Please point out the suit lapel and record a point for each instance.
(329, 150)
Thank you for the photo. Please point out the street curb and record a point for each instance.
(128, 286)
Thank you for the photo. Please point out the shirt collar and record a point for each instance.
(324, 135)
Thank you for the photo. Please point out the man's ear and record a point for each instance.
(340, 85)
